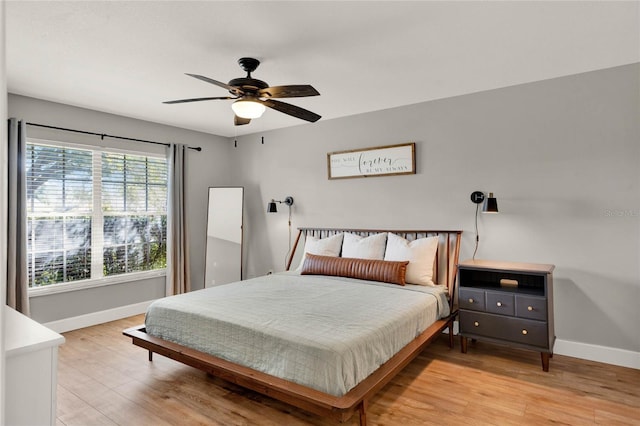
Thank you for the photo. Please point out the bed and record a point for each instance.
(327, 334)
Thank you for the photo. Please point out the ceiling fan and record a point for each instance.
(253, 95)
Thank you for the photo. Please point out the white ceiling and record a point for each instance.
(127, 57)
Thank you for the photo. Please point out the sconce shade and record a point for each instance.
(491, 205)
(247, 108)
(272, 208)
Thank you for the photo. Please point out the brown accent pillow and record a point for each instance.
(365, 269)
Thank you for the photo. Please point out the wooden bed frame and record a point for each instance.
(338, 408)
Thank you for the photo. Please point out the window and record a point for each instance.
(93, 213)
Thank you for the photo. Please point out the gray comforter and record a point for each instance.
(327, 333)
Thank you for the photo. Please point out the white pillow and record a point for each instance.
(329, 246)
(420, 253)
(371, 247)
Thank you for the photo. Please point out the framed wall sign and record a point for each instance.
(377, 161)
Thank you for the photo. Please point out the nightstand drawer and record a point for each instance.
(469, 298)
(500, 303)
(511, 329)
(531, 307)
(529, 332)
(481, 324)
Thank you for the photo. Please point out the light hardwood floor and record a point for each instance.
(104, 380)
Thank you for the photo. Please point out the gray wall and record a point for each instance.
(561, 155)
(210, 167)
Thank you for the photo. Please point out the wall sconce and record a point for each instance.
(272, 208)
(490, 202)
(490, 206)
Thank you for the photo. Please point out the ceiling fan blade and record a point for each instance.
(292, 110)
(239, 121)
(232, 89)
(291, 91)
(181, 101)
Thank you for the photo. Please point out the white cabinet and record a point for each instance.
(31, 354)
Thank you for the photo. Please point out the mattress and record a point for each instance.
(327, 333)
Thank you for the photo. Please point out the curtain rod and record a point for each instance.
(104, 135)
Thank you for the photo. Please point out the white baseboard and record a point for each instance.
(95, 318)
(615, 356)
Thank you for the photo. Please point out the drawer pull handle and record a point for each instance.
(529, 308)
(525, 332)
(476, 323)
(470, 300)
(506, 282)
(499, 304)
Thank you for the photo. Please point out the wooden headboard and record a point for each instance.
(446, 263)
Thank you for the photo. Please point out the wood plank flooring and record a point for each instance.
(104, 380)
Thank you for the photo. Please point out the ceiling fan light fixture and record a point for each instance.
(252, 96)
(247, 108)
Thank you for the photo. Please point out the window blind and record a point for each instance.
(93, 213)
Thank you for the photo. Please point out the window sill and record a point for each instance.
(85, 284)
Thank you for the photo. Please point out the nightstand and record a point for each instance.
(507, 303)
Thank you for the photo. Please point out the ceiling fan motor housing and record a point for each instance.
(248, 84)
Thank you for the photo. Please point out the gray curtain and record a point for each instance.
(17, 290)
(178, 277)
